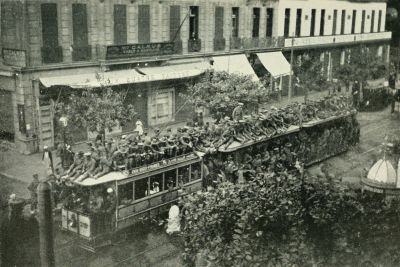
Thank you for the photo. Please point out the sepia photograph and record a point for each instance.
(199, 133)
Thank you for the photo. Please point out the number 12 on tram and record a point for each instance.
(97, 209)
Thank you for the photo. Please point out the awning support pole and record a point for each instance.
(291, 69)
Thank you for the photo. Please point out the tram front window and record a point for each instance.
(126, 193)
(170, 179)
(141, 188)
(156, 184)
(196, 171)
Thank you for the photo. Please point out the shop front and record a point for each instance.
(153, 91)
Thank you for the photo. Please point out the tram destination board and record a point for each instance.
(139, 50)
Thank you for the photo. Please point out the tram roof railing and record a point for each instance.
(121, 177)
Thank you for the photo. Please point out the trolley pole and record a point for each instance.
(46, 225)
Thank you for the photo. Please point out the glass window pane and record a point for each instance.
(196, 171)
(125, 193)
(156, 184)
(183, 175)
(141, 188)
(170, 179)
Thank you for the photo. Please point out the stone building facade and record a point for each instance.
(152, 48)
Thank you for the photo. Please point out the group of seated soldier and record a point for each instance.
(133, 151)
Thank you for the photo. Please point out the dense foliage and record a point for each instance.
(221, 92)
(96, 109)
(361, 65)
(281, 221)
(308, 73)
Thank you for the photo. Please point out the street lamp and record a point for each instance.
(64, 124)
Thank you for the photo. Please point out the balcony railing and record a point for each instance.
(52, 54)
(194, 45)
(219, 44)
(81, 53)
(336, 39)
(257, 43)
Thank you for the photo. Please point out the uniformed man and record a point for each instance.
(77, 166)
(89, 167)
(237, 113)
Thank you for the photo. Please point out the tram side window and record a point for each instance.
(141, 188)
(156, 184)
(196, 171)
(125, 193)
(170, 179)
(183, 175)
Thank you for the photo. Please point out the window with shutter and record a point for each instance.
(373, 21)
(287, 23)
(219, 22)
(49, 25)
(256, 22)
(174, 23)
(120, 34)
(79, 25)
(219, 41)
(270, 20)
(144, 24)
(235, 22)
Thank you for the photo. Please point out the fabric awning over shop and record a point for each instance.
(234, 64)
(111, 78)
(275, 63)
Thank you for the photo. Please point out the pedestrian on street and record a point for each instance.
(47, 159)
(33, 192)
(139, 127)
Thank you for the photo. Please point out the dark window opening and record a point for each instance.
(120, 30)
(51, 51)
(141, 188)
(49, 25)
(379, 20)
(219, 22)
(79, 25)
(196, 172)
(183, 175)
(81, 50)
(174, 23)
(287, 22)
(256, 22)
(363, 21)
(156, 184)
(373, 21)
(170, 180)
(353, 22)
(343, 23)
(270, 21)
(144, 24)
(194, 23)
(125, 193)
(313, 15)
(322, 23)
(334, 22)
(298, 21)
(235, 22)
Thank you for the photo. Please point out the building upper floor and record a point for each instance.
(46, 33)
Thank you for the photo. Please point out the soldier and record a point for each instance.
(33, 191)
(89, 167)
(77, 166)
(237, 113)
(105, 166)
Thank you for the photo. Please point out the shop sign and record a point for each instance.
(14, 57)
(139, 50)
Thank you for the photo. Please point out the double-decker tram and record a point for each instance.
(97, 209)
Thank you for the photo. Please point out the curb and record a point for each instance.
(11, 177)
